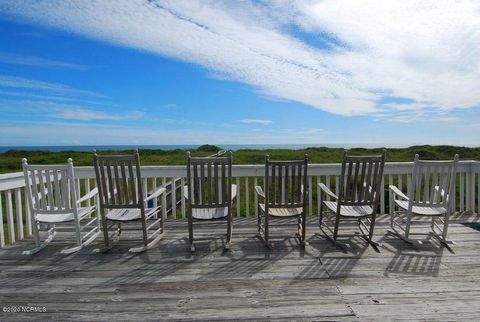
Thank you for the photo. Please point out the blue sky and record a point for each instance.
(188, 72)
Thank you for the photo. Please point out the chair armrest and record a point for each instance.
(397, 192)
(259, 191)
(325, 189)
(157, 193)
(89, 195)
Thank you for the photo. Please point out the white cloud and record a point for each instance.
(35, 85)
(423, 51)
(253, 121)
(58, 110)
(12, 59)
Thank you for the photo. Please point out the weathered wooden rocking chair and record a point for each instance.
(51, 194)
(359, 192)
(284, 196)
(431, 193)
(122, 199)
(209, 191)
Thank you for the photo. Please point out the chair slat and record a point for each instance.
(224, 194)
(209, 184)
(43, 200)
(117, 182)
(133, 185)
(126, 196)
(56, 187)
(202, 191)
(113, 196)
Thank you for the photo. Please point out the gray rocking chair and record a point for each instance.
(359, 192)
(122, 198)
(430, 195)
(210, 191)
(284, 196)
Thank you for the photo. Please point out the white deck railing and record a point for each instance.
(15, 217)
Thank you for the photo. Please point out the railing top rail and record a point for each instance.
(16, 180)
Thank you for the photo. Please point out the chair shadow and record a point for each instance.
(424, 259)
(338, 262)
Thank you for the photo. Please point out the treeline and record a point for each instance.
(10, 161)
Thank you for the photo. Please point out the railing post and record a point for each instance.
(174, 198)
(182, 182)
(310, 196)
(319, 179)
(382, 197)
(9, 210)
(2, 233)
(247, 199)
(255, 183)
(237, 180)
(19, 213)
(462, 192)
(164, 199)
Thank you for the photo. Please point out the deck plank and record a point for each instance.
(249, 282)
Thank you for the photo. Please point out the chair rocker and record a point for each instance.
(122, 199)
(51, 195)
(431, 193)
(359, 192)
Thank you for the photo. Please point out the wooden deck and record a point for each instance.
(400, 282)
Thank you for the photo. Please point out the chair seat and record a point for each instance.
(209, 213)
(126, 214)
(349, 211)
(62, 217)
(422, 210)
(282, 212)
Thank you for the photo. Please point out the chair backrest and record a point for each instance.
(361, 180)
(285, 183)
(433, 182)
(119, 180)
(209, 181)
(50, 189)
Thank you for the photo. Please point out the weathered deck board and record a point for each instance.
(249, 282)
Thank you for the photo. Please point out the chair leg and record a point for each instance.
(229, 231)
(190, 233)
(372, 227)
(36, 228)
(302, 229)
(445, 225)
(320, 211)
(367, 231)
(337, 224)
(105, 231)
(266, 231)
(144, 229)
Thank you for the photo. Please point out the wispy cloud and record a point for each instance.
(65, 111)
(12, 59)
(90, 115)
(424, 51)
(254, 121)
(36, 85)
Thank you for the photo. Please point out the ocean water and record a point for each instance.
(173, 147)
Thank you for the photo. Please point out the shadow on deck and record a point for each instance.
(320, 282)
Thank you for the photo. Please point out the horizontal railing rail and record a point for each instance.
(15, 217)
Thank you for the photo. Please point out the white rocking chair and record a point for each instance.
(51, 194)
(430, 194)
